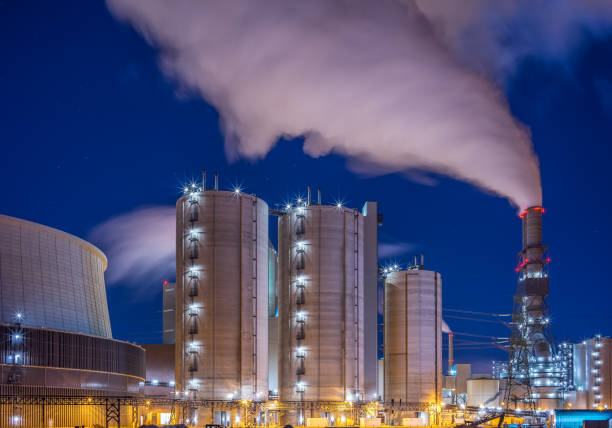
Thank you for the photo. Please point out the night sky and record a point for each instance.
(90, 129)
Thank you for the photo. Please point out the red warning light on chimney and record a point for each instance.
(165, 282)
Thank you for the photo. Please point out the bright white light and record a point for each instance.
(288, 206)
(17, 336)
(300, 245)
(299, 200)
(19, 315)
(186, 189)
(237, 190)
(339, 204)
(230, 396)
(154, 382)
(171, 383)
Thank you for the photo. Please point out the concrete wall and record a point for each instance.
(413, 336)
(483, 391)
(54, 279)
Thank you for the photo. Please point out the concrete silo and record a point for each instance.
(321, 303)
(222, 296)
(413, 335)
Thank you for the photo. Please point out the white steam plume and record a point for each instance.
(365, 79)
(140, 246)
(390, 249)
(494, 37)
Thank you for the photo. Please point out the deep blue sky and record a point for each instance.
(90, 129)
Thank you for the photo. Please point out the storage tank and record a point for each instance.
(413, 335)
(321, 274)
(222, 295)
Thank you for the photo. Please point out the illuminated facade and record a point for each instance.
(55, 335)
(54, 279)
(592, 361)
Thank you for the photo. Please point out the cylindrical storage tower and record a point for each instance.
(321, 267)
(413, 336)
(222, 295)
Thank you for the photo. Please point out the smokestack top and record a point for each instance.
(534, 209)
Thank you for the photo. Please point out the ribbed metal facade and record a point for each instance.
(54, 279)
(222, 295)
(321, 305)
(51, 363)
(44, 348)
(413, 336)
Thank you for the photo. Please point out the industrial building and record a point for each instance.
(413, 335)
(222, 296)
(261, 334)
(323, 266)
(592, 374)
(55, 335)
(321, 304)
(54, 279)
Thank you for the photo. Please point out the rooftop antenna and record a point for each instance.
(203, 179)
(319, 196)
(216, 181)
(308, 198)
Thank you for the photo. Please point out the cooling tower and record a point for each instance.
(222, 295)
(413, 336)
(321, 277)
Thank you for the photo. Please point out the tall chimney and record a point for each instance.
(203, 179)
(216, 181)
(451, 357)
(416, 261)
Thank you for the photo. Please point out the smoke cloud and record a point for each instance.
(140, 246)
(369, 80)
(390, 249)
(494, 37)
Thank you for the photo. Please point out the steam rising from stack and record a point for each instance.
(364, 79)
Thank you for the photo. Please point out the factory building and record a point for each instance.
(55, 335)
(222, 296)
(321, 274)
(413, 335)
(592, 368)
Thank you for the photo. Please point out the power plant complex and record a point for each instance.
(266, 333)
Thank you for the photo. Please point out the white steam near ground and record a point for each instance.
(140, 246)
(394, 85)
